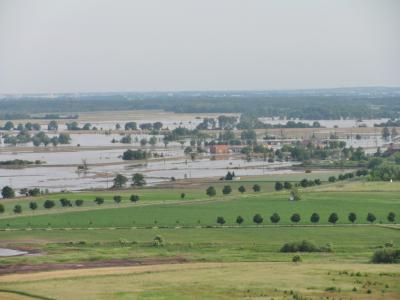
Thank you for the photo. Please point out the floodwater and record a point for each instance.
(342, 123)
(11, 252)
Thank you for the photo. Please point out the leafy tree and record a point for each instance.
(239, 220)
(34, 192)
(242, 189)
(371, 217)
(183, 195)
(391, 217)
(352, 217)
(8, 192)
(295, 218)
(221, 220)
(275, 218)
(8, 125)
(65, 202)
(99, 200)
(158, 241)
(48, 204)
(131, 126)
(138, 179)
(134, 198)
(17, 209)
(157, 125)
(332, 179)
(287, 185)
(333, 218)
(314, 218)
(385, 133)
(143, 142)
(304, 183)
(134, 155)
(64, 138)
(120, 180)
(258, 219)
(153, 141)
(278, 186)
(79, 202)
(295, 194)
(53, 125)
(117, 199)
(33, 205)
(2, 208)
(317, 181)
(226, 190)
(256, 188)
(296, 259)
(211, 192)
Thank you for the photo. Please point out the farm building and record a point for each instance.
(219, 149)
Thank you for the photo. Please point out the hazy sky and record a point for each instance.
(148, 45)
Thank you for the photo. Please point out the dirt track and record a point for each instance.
(23, 268)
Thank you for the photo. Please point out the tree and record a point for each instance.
(333, 218)
(2, 209)
(65, 202)
(242, 189)
(120, 180)
(153, 141)
(7, 192)
(220, 220)
(278, 186)
(64, 138)
(157, 125)
(394, 133)
(48, 204)
(34, 192)
(391, 217)
(183, 195)
(256, 188)
(53, 125)
(385, 133)
(352, 217)
(79, 202)
(117, 199)
(134, 155)
(17, 209)
(134, 198)
(258, 219)
(8, 125)
(143, 142)
(131, 126)
(314, 218)
(332, 179)
(275, 218)
(295, 195)
(138, 179)
(188, 150)
(226, 190)
(371, 217)
(295, 218)
(211, 192)
(239, 220)
(287, 185)
(99, 200)
(33, 205)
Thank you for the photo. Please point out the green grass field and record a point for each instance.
(228, 262)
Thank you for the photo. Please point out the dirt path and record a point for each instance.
(25, 268)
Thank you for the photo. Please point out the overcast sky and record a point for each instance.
(155, 45)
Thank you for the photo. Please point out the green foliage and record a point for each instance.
(352, 217)
(333, 218)
(117, 199)
(239, 220)
(242, 189)
(99, 200)
(79, 202)
(296, 259)
(211, 192)
(256, 188)
(158, 241)
(221, 220)
(138, 179)
(134, 198)
(278, 186)
(386, 256)
(17, 209)
(226, 190)
(275, 218)
(258, 219)
(2, 208)
(120, 180)
(371, 217)
(295, 218)
(314, 218)
(48, 204)
(7, 192)
(391, 217)
(134, 155)
(304, 246)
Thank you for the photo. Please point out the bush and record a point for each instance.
(65, 202)
(158, 241)
(386, 256)
(79, 202)
(48, 204)
(352, 217)
(17, 209)
(278, 186)
(7, 192)
(211, 191)
(258, 219)
(256, 188)
(2, 209)
(391, 217)
(242, 189)
(183, 195)
(303, 246)
(117, 199)
(239, 220)
(371, 217)
(287, 185)
(134, 198)
(332, 179)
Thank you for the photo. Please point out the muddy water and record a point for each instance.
(10, 252)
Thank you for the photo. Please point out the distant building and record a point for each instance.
(219, 149)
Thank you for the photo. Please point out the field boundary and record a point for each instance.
(25, 294)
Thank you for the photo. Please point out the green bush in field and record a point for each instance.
(227, 190)
(242, 189)
(352, 217)
(386, 256)
(256, 188)
(303, 246)
(371, 217)
(158, 241)
(333, 218)
(211, 192)
(33, 205)
(134, 198)
(17, 209)
(79, 202)
(295, 218)
(99, 200)
(258, 219)
(296, 258)
(48, 204)
(221, 220)
(275, 218)
(2, 209)
(391, 217)
(239, 220)
(314, 218)
(117, 199)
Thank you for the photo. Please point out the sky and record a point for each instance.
(49, 46)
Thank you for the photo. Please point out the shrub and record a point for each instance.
(117, 199)
(48, 204)
(391, 217)
(99, 200)
(226, 190)
(275, 218)
(314, 218)
(33, 205)
(303, 246)
(332, 179)
(17, 209)
(296, 258)
(7, 192)
(134, 198)
(79, 202)
(221, 220)
(183, 195)
(65, 202)
(2, 209)
(295, 218)
(386, 256)
(258, 219)
(278, 186)
(287, 185)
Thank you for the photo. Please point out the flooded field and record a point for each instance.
(342, 123)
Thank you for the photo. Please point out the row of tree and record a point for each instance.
(227, 189)
(315, 218)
